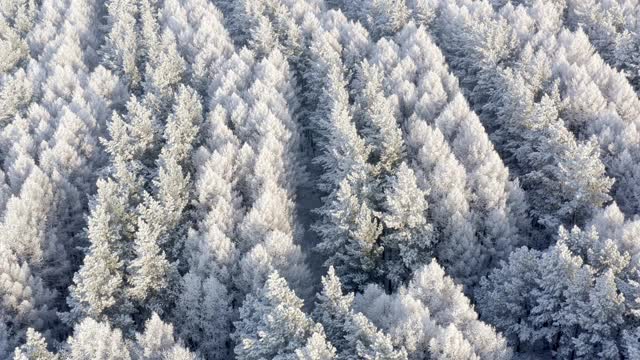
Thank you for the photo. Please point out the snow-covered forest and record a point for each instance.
(319, 179)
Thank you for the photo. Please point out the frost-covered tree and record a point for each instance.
(35, 348)
(551, 160)
(352, 333)
(99, 289)
(343, 152)
(153, 276)
(431, 317)
(161, 161)
(20, 14)
(263, 26)
(368, 341)
(209, 249)
(333, 309)
(272, 323)
(376, 116)
(317, 348)
(348, 227)
(627, 56)
(30, 230)
(350, 232)
(131, 149)
(410, 238)
(612, 29)
(381, 17)
(26, 301)
(158, 342)
(96, 340)
(277, 252)
(203, 42)
(14, 47)
(164, 71)
(438, 170)
(566, 299)
(420, 81)
(203, 315)
(16, 91)
(121, 51)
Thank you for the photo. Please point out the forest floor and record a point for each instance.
(308, 198)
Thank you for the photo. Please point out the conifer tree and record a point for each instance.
(121, 50)
(157, 342)
(352, 333)
(272, 323)
(409, 236)
(35, 348)
(376, 115)
(431, 317)
(96, 340)
(26, 301)
(203, 315)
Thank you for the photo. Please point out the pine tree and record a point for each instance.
(263, 26)
(369, 342)
(28, 224)
(277, 252)
(448, 305)
(605, 309)
(16, 92)
(50, 17)
(203, 315)
(209, 249)
(34, 349)
(272, 324)
(344, 152)
(152, 276)
(575, 309)
(409, 238)
(182, 126)
(26, 301)
(354, 336)
(552, 160)
(333, 309)
(350, 232)
(99, 286)
(14, 48)
(121, 50)
(157, 341)
(381, 17)
(376, 116)
(627, 56)
(449, 343)
(165, 69)
(348, 226)
(21, 14)
(507, 303)
(498, 214)
(96, 340)
(317, 348)
(431, 316)
(439, 171)
(204, 44)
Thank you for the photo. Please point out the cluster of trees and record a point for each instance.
(308, 179)
(560, 118)
(613, 29)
